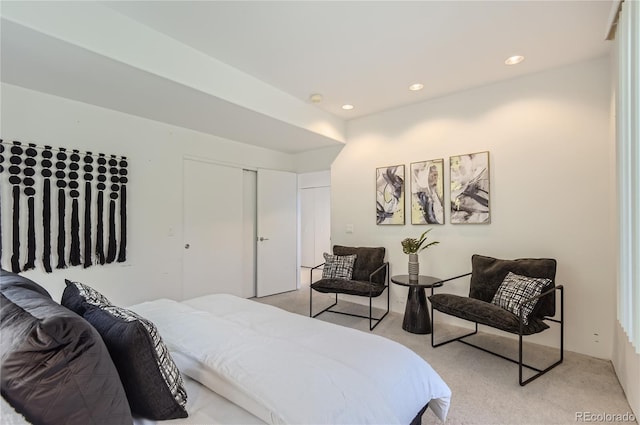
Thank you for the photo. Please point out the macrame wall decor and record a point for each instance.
(29, 207)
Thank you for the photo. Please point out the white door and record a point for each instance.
(250, 235)
(277, 251)
(213, 225)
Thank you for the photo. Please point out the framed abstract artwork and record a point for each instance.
(427, 192)
(390, 195)
(469, 177)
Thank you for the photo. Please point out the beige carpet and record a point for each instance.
(485, 388)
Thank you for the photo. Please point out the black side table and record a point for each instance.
(416, 313)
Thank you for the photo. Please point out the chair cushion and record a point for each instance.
(484, 313)
(350, 287)
(55, 366)
(515, 290)
(367, 261)
(487, 274)
(338, 266)
(150, 377)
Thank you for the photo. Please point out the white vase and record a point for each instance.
(414, 267)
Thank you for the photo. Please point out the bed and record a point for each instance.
(216, 359)
(278, 367)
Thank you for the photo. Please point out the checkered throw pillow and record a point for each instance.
(338, 266)
(515, 290)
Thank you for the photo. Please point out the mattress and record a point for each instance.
(286, 368)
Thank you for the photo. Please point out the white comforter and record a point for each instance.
(290, 369)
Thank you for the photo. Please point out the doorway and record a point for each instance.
(224, 207)
(315, 220)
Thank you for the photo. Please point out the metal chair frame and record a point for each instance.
(519, 362)
(384, 266)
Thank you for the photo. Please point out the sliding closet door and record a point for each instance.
(213, 229)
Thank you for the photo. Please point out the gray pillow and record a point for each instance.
(55, 366)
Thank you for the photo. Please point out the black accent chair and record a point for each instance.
(370, 279)
(486, 276)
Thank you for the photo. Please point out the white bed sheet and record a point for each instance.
(205, 407)
(287, 368)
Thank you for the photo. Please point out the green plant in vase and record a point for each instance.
(413, 247)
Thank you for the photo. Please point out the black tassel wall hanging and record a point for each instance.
(113, 170)
(74, 254)
(29, 190)
(88, 176)
(100, 209)
(46, 207)
(62, 184)
(122, 253)
(15, 180)
(33, 172)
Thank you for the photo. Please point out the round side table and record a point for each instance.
(416, 313)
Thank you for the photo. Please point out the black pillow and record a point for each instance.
(78, 297)
(55, 366)
(150, 377)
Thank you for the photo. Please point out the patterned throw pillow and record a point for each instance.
(78, 296)
(338, 266)
(515, 290)
(150, 377)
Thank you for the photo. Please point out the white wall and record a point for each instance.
(551, 176)
(155, 152)
(317, 160)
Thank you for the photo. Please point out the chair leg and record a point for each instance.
(520, 361)
(542, 372)
(433, 331)
(371, 318)
(325, 310)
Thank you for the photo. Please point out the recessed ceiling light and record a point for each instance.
(416, 87)
(315, 98)
(513, 60)
(347, 107)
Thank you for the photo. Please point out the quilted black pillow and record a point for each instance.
(151, 379)
(55, 366)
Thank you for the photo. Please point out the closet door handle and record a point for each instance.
(262, 239)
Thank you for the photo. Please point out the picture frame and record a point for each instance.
(470, 188)
(427, 192)
(390, 182)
